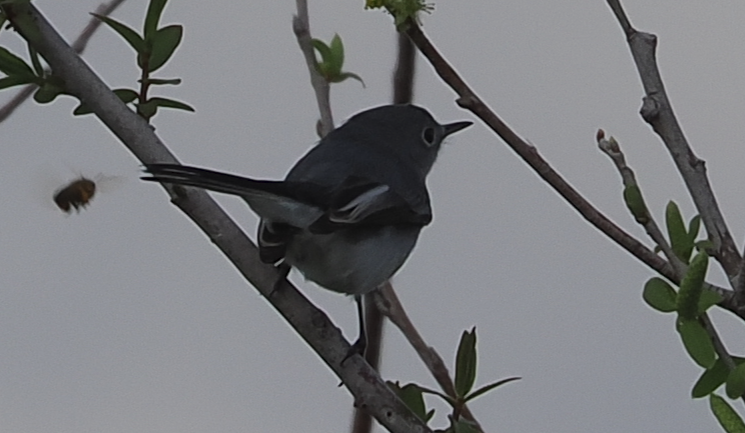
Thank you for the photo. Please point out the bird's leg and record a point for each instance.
(284, 270)
(358, 348)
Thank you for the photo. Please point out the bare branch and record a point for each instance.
(301, 27)
(468, 99)
(79, 45)
(368, 389)
(658, 112)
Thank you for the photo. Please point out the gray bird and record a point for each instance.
(349, 212)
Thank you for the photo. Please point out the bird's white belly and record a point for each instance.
(367, 259)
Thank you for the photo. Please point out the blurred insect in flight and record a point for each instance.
(76, 194)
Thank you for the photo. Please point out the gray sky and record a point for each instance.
(125, 318)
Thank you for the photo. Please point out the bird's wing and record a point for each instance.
(278, 201)
(362, 202)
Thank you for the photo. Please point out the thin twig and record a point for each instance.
(301, 27)
(613, 150)
(79, 46)
(658, 112)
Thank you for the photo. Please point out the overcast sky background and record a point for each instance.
(125, 318)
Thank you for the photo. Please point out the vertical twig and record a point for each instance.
(301, 27)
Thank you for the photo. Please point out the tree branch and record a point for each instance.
(658, 112)
(468, 99)
(368, 389)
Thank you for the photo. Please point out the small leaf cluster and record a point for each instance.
(682, 241)
(401, 10)
(727, 417)
(332, 61)
(465, 377)
(154, 48)
(19, 73)
(690, 302)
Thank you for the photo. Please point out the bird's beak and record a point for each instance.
(452, 128)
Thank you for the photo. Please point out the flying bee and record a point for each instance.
(77, 194)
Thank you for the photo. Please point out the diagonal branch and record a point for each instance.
(468, 99)
(658, 112)
(368, 389)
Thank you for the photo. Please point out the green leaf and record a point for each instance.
(727, 417)
(154, 11)
(170, 103)
(632, 195)
(676, 229)
(336, 61)
(126, 95)
(326, 55)
(449, 400)
(697, 342)
(15, 80)
(692, 286)
(694, 226)
(11, 65)
(35, 62)
(134, 40)
(711, 379)
(47, 93)
(465, 363)
(659, 295)
(464, 426)
(344, 75)
(322, 49)
(165, 42)
(82, 109)
(486, 388)
(707, 300)
(411, 395)
(162, 81)
(147, 109)
(735, 387)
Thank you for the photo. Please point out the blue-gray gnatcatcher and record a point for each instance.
(350, 211)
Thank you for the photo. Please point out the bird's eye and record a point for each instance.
(428, 135)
